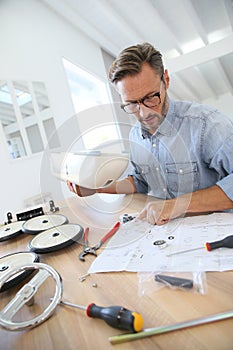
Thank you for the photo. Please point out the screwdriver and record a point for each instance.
(226, 242)
(114, 316)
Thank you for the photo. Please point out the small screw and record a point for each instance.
(94, 285)
(82, 278)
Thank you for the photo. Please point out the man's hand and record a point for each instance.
(80, 191)
(160, 212)
(207, 200)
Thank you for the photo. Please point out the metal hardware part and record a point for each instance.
(160, 243)
(9, 218)
(26, 294)
(81, 307)
(26, 215)
(82, 278)
(127, 217)
(53, 209)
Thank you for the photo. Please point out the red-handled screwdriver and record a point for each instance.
(114, 316)
(226, 242)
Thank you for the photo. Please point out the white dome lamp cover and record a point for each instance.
(92, 169)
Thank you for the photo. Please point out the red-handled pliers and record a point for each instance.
(92, 250)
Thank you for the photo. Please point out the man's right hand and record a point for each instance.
(124, 186)
(80, 191)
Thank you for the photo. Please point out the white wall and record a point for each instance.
(224, 103)
(33, 41)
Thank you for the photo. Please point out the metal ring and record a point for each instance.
(160, 243)
(26, 293)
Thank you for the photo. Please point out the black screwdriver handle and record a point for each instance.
(117, 317)
(227, 242)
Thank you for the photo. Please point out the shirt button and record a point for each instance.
(164, 190)
(181, 171)
(157, 168)
(153, 145)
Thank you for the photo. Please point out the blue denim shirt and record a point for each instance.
(192, 149)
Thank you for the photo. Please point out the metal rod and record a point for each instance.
(173, 327)
(73, 305)
(185, 251)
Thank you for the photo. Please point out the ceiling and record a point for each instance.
(195, 37)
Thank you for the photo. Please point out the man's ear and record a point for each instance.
(166, 78)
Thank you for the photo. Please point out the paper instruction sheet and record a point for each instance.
(132, 248)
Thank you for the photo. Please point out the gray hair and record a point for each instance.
(131, 59)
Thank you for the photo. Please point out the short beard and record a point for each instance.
(165, 105)
(160, 117)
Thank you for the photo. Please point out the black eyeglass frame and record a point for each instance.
(142, 101)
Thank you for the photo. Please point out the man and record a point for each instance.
(181, 151)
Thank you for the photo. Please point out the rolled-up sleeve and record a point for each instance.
(140, 183)
(222, 162)
(226, 184)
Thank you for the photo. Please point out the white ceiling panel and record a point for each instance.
(195, 37)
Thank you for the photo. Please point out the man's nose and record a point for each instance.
(143, 110)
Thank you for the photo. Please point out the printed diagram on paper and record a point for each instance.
(132, 247)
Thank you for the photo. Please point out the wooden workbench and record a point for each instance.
(71, 329)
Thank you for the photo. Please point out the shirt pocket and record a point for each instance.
(181, 177)
(142, 169)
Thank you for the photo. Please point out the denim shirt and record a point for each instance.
(192, 149)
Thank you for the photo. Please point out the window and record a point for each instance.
(24, 112)
(92, 104)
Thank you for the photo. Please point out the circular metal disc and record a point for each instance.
(56, 238)
(43, 222)
(10, 230)
(12, 261)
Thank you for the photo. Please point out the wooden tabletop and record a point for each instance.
(71, 329)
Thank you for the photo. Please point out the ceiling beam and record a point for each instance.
(189, 8)
(186, 86)
(205, 83)
(67, 13)
(109, 12)
(224, 76)
(205, 54)
(229, 10)
(160, 19)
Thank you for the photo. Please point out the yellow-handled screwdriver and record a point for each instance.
(114, 316)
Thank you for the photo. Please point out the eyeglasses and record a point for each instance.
(151, 100)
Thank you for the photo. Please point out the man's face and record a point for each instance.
(137, 87)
